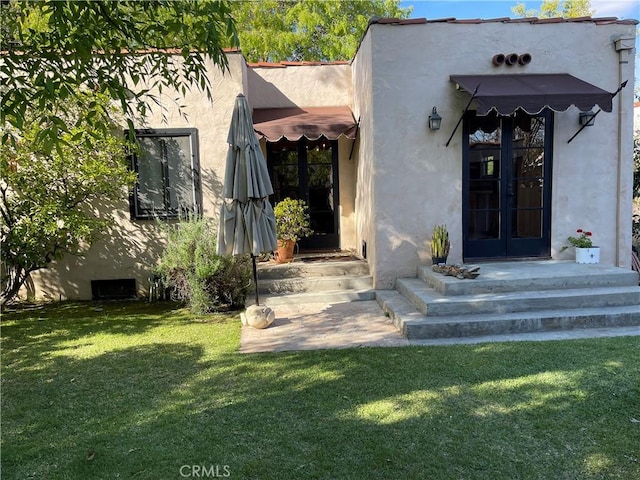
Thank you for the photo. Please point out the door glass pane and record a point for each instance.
(526, 223)
(285, 179)
(485, 178)
(528, 131)
(527, 193)
(528, 162)
(320, 184)
(484, 224)
(484, 164)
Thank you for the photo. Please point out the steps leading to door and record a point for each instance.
(514, 298)
(335, 279)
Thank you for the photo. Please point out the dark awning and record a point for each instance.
(532, 92)
(310, 122)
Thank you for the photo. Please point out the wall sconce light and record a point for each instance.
(435, 120)
(587, 119)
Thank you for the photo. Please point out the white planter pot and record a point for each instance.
(588, 255)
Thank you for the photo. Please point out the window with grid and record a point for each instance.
(168, 168)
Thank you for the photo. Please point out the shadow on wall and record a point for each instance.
(304, 86)
(126, 250)
(211, 185)
(129, 249)
(264, 94)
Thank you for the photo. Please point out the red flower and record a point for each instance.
(588, 234)
(579, 230)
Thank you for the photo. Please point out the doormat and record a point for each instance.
(327, 258)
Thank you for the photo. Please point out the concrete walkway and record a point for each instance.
(315, 326)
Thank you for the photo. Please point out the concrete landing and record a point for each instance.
(321, 326)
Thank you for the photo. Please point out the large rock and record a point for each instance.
(258, 316)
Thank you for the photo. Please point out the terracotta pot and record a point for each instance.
(285, 251)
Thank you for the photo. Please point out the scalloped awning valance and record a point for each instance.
(309, 122)
(532, 92)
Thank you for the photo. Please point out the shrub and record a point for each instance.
(292, 219)
(195, 273)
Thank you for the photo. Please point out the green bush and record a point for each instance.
(195, 273)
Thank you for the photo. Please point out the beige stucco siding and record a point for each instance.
(402, 179)
(313, 86)
(365, 154)
(131, 248)
(418, 181)
(302, 86)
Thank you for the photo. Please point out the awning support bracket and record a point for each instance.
(355, 137)
(622, 85)
(466, 109)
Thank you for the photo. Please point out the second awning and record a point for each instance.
(532, 92)
(309, 122)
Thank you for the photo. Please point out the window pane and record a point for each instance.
(150, 175)
(166, 175)
(179, 178)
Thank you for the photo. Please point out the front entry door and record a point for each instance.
(308, 170)
(507, 185)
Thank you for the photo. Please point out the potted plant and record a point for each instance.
(585, 251)
(440, 245)
(292, 224)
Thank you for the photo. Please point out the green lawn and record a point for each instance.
(146, 391)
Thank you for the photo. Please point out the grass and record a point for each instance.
(147, 391)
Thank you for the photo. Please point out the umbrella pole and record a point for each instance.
(255, 277)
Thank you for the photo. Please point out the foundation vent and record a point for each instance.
(113, 289)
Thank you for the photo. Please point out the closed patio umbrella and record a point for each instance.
(247, 222)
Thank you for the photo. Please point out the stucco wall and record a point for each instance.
(418, 181)
(131, 248)
(402, 180)
(363, 102)
(278, 86)
(302, 86)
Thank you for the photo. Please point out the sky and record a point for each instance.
(465, 9)
(433, 9)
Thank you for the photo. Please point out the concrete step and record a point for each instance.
(430, 302)
(415, 325)
(311, 278)
(314, 284)
(306, 268)
(331, 297)
(501, 277)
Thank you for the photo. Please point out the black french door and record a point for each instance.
(507, 185)
(308, 170)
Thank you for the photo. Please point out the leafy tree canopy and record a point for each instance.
(52, 48)
(312, 30)
(47, 199)
(556, 8)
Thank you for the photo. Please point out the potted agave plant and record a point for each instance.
(440, 245)
(292, 224)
